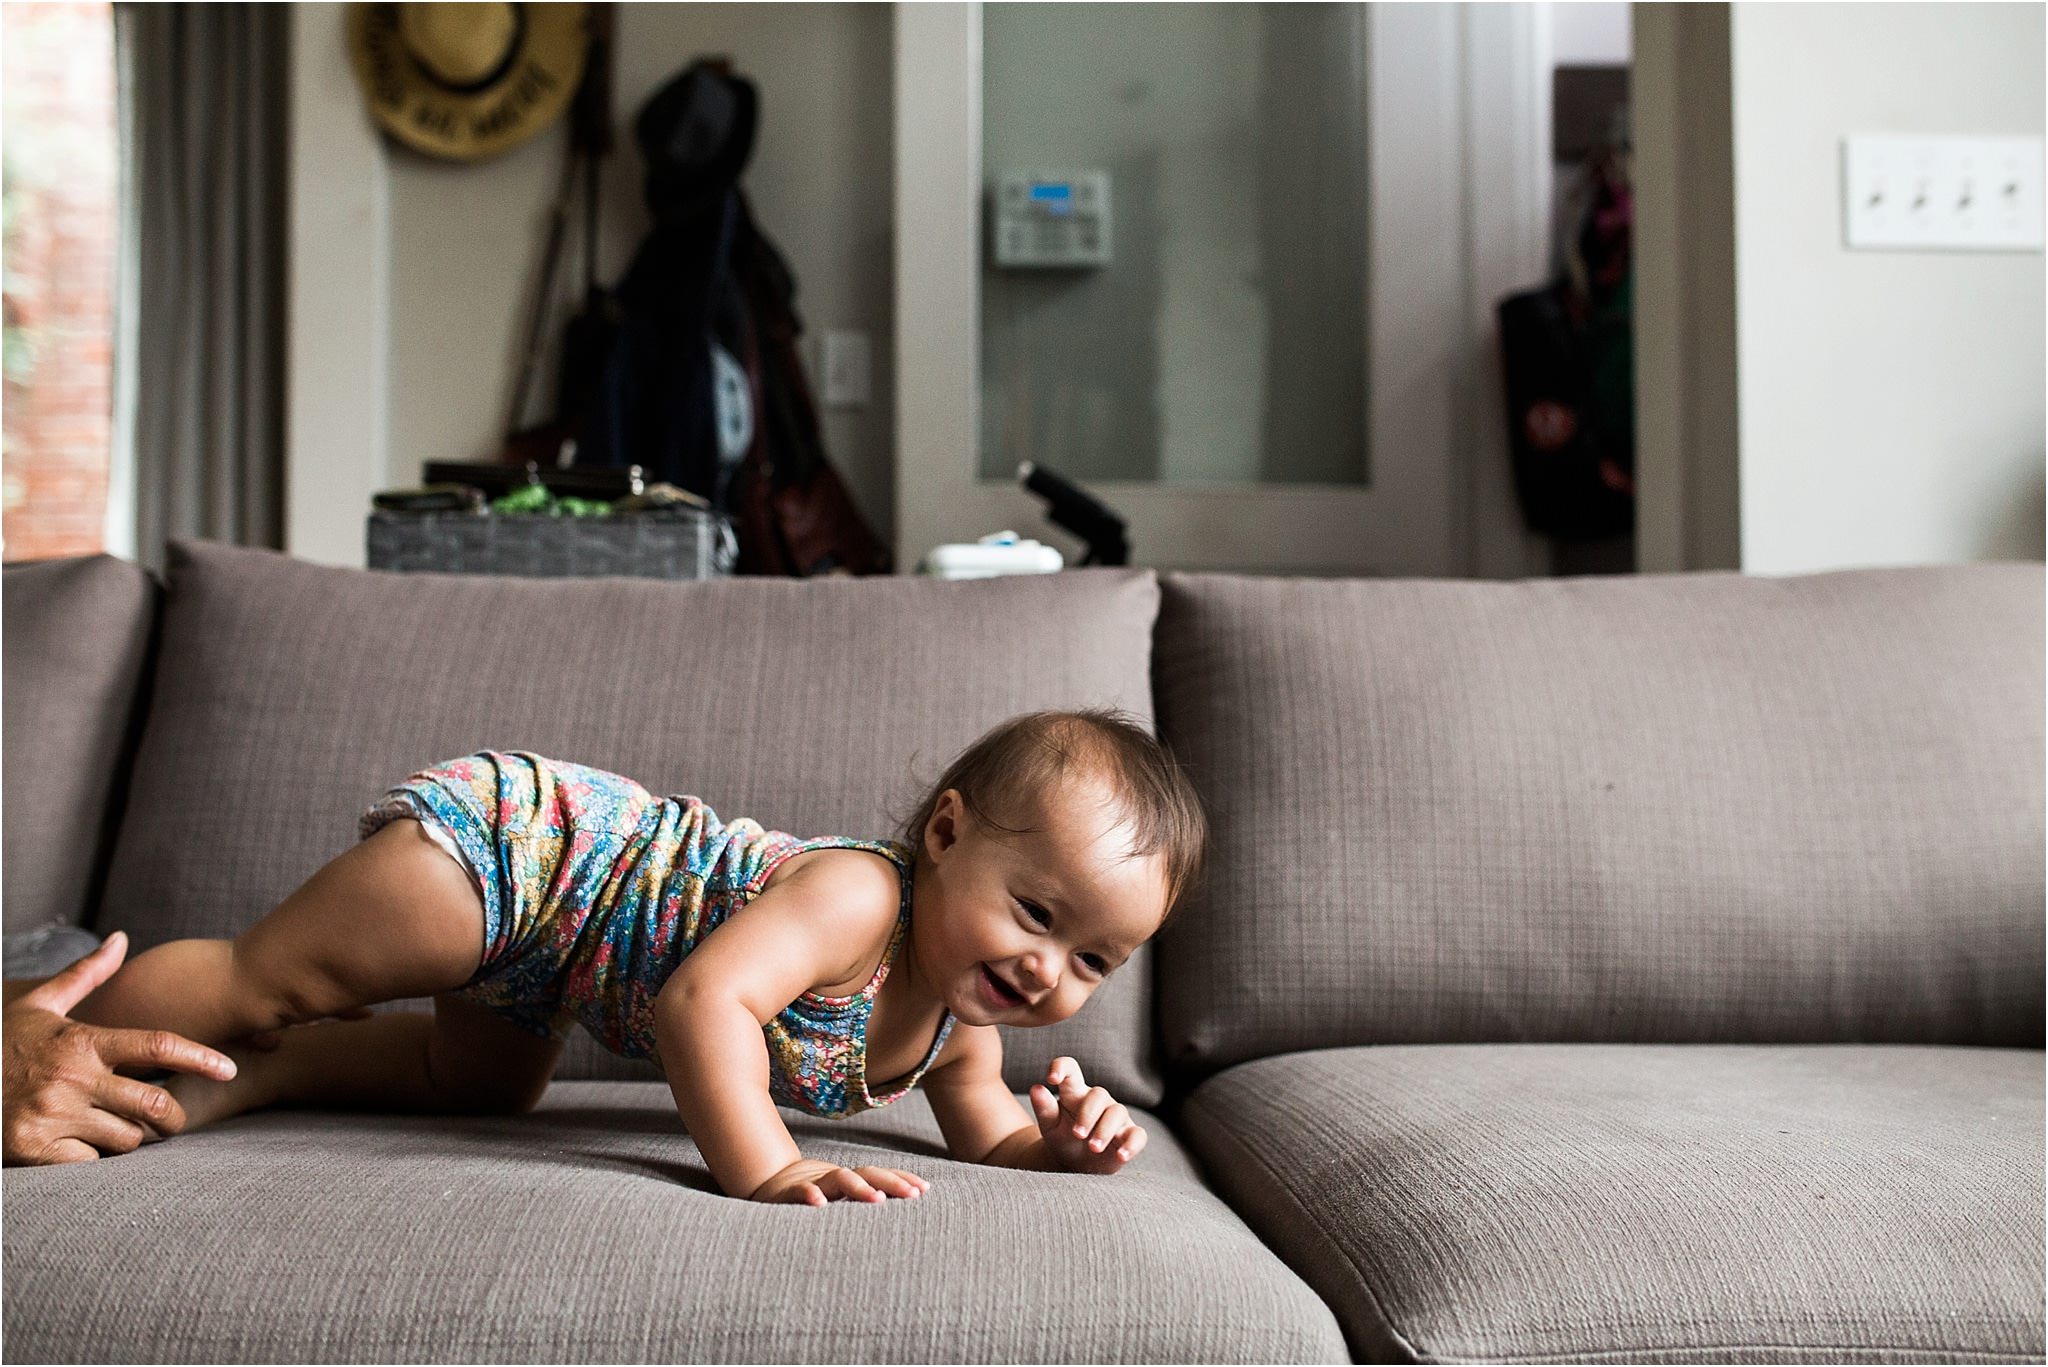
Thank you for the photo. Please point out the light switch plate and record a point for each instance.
(846, 370)
(1941, 193)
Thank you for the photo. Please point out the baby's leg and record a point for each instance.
(463, 1059)
(391, 917)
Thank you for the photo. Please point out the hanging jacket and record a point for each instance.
(655, 405)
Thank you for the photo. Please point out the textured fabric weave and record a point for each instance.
(590, 1231)
(598, 890)
(811, 706)
(1643, 1203)
(78, 634)
(1685, 808)
(40, 953)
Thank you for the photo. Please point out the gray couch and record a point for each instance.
(1641, 969)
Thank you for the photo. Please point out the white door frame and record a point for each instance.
(1458, 215)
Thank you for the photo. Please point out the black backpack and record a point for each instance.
(702, 385)
(654, 405)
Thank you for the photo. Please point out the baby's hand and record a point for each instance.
(811, 1182)
(1084, 1128)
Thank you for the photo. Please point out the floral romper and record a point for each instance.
(594, 889)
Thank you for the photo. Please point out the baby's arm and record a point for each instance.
(1078, 1128)
(818, 928)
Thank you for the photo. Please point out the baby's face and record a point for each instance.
(1021, 929)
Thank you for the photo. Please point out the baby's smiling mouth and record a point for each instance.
(999, 989)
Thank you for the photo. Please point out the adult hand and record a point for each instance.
(62, 1100)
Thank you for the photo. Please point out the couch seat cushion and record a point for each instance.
(590, 1231)
(1647, 1203)
(289, 696)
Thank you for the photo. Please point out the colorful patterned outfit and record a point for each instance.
(594, 890)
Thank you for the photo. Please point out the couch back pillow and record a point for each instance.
(78, 634)
(289, 696)
(1677, 808)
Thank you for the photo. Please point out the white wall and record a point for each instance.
(337, 426)
(1891, 402)
(420, 269)
(1589, 32)
(1801, 406)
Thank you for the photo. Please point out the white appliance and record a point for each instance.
(1000, 553)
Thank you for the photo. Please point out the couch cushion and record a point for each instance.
(77, 646)
(590, 1231)
(290, 696)
(1690, 808)
(1703, 1203)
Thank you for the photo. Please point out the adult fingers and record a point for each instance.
(1111, 1123)
(64, 1151)
(1089, 1109)
(107, 1132)
(892, 1183)
(138, 1101)
(61, 991)
(846, 1184)
(161, 1049)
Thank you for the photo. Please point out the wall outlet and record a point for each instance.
(845, 370)
(1941, 194)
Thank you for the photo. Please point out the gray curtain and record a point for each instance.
(200, 298)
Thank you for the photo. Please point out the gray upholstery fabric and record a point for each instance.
(1649, 1203)
(1689, 808)
(290, 696)
(589, 1232)
(40, 953)
(76, 649)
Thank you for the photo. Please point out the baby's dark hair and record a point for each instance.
(1033, 752)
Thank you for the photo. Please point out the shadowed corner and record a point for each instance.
(2017, 529)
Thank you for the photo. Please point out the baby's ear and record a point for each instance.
(942, 830)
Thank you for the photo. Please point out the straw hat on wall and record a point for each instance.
(467, 81)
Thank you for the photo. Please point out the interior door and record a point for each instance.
(1256, 319)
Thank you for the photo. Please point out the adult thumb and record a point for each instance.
(62, 991)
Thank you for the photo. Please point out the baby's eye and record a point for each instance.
(1036, 912)
(1096, 964)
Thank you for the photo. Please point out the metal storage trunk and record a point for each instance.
(676, 543)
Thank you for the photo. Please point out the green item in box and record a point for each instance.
(530, 498)
(539, 499)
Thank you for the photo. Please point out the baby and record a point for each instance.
(1043, 857)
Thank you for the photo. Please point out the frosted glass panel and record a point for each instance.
(1223, 338)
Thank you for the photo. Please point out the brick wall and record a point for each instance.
(57, 75)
